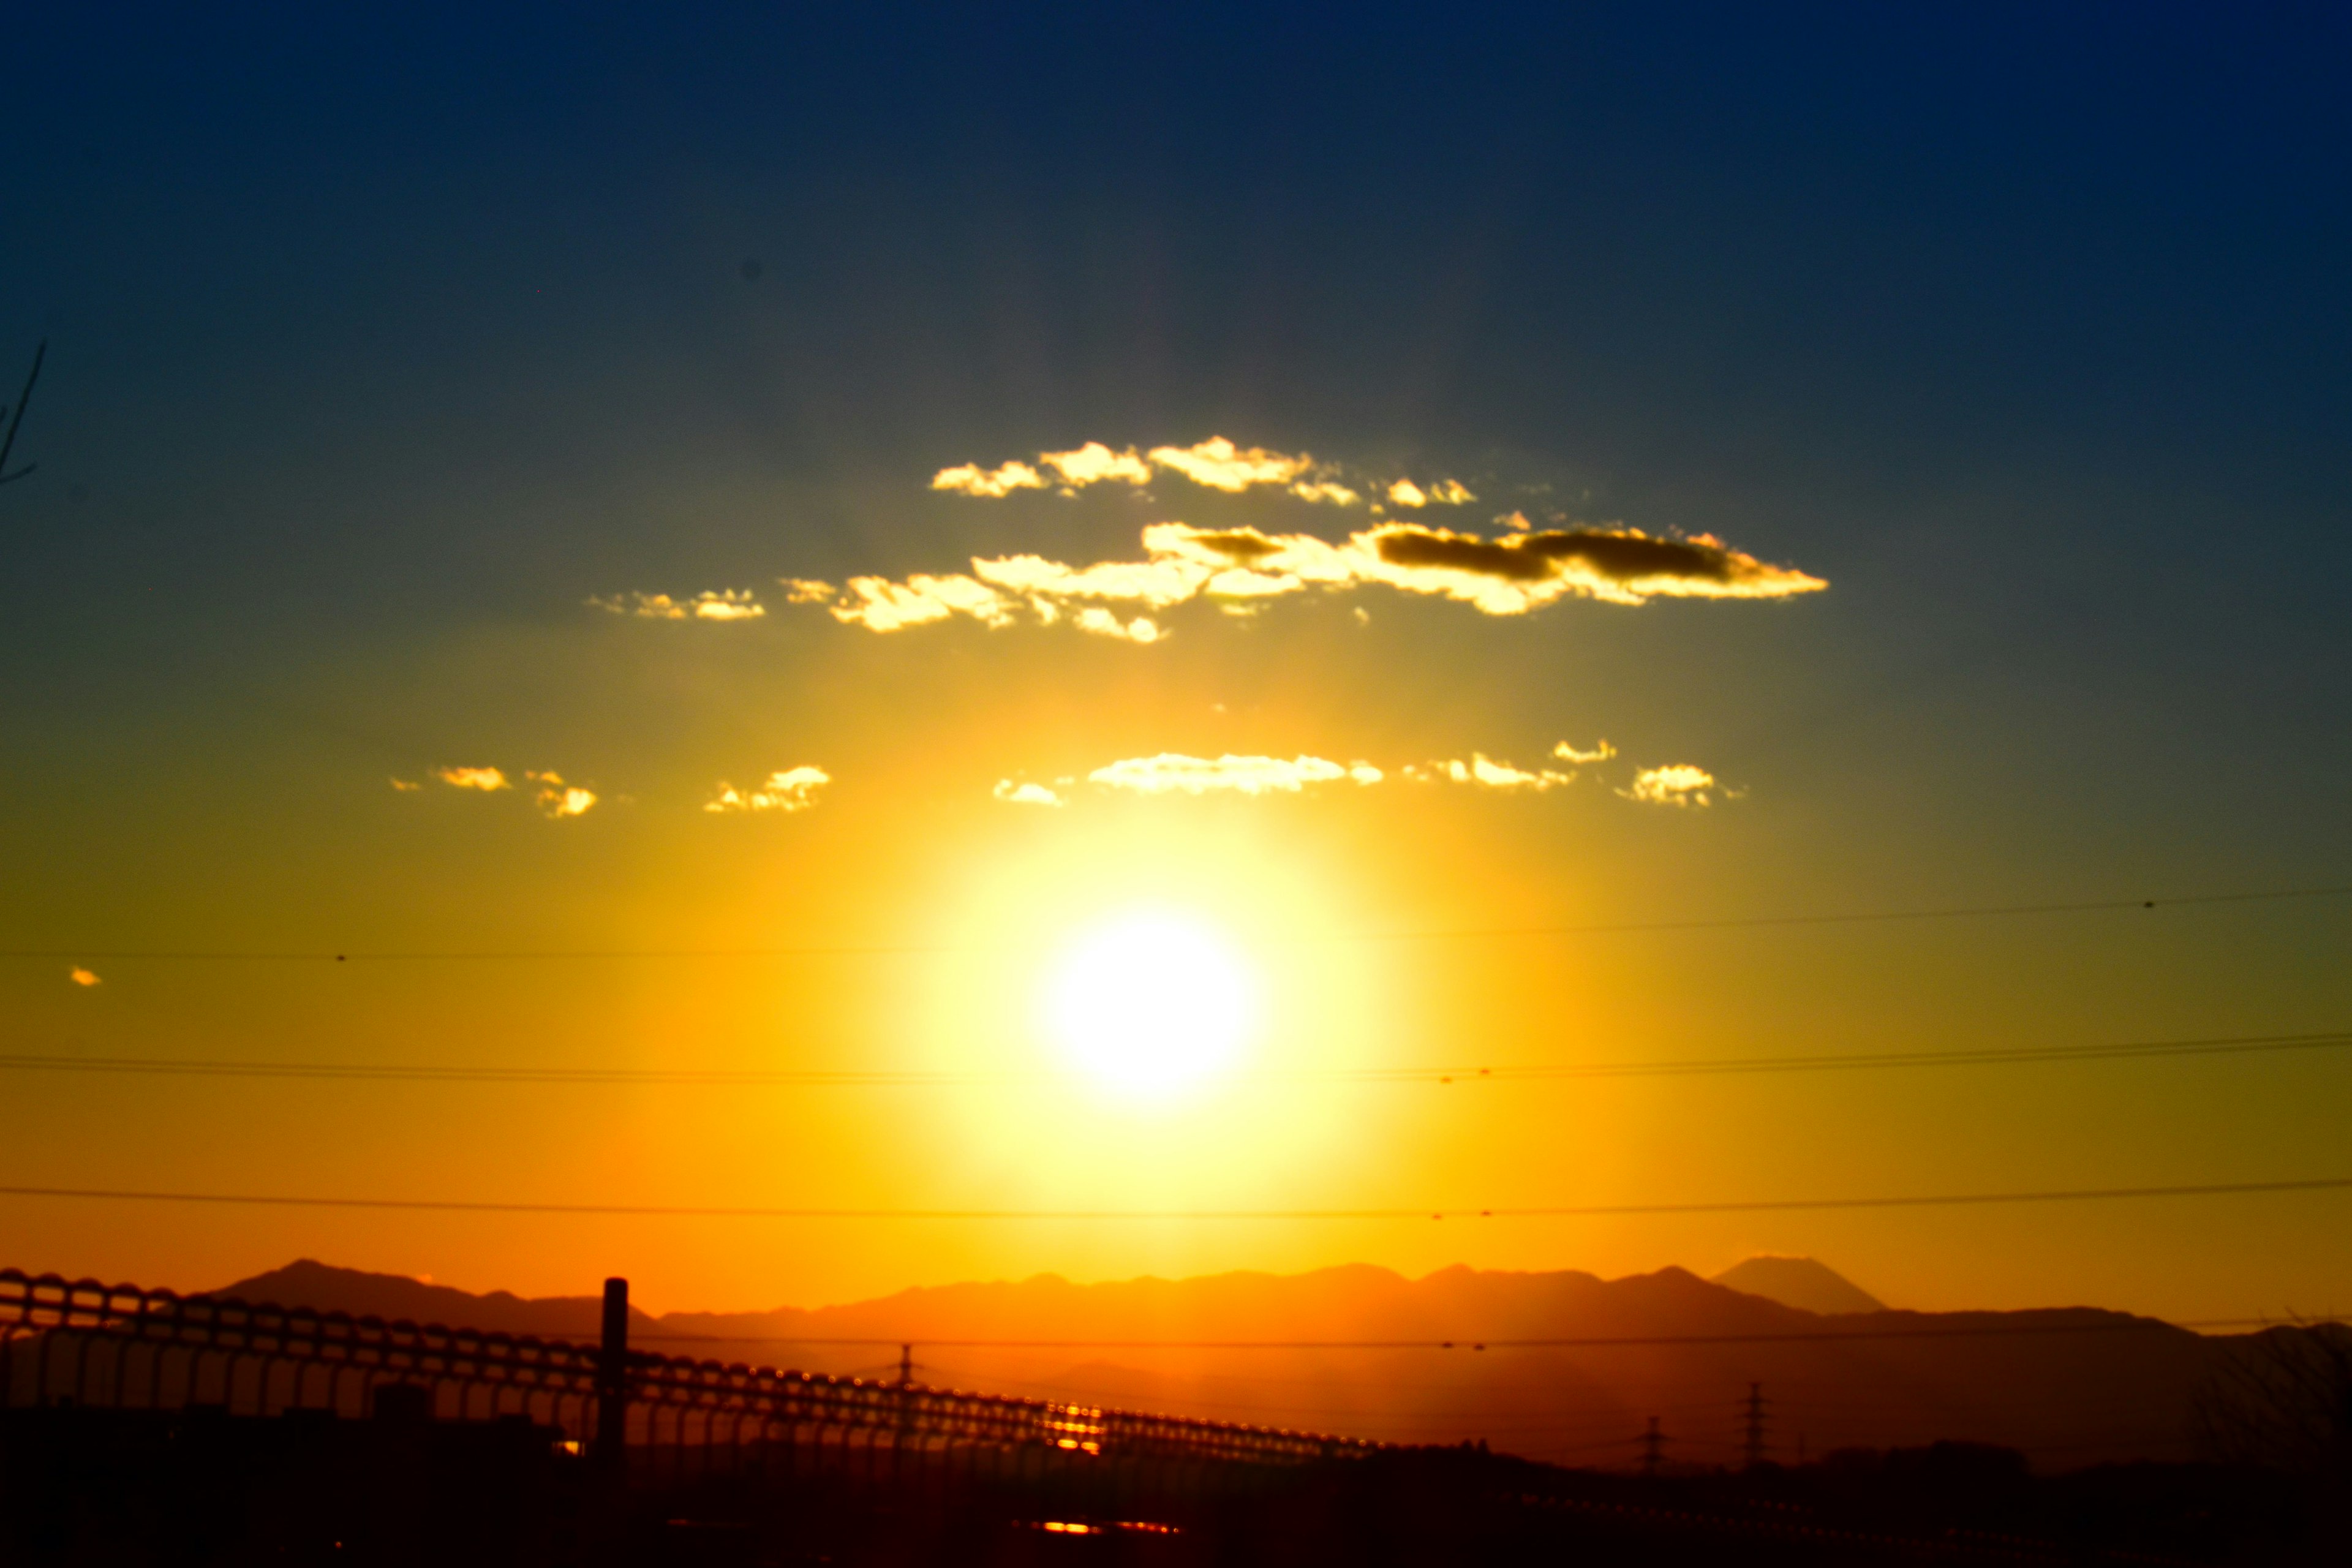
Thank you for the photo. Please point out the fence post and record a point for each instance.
(611, 1448)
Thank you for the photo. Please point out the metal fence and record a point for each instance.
(122, 1347)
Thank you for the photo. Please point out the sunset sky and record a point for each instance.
(789, 546)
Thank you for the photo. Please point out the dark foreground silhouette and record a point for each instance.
(93, 1487)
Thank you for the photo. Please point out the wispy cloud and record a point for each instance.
(558, 799)
(406, 786)
(971, 479)
(1216, 464)
(83, 977)
(1175, 772)
(473, 778)
(1510, 576)
(1678, 784)
(790, 790)
(1093, 464)
(714, 605)
(1025, 794)
(1488, 774)
(1172, 773)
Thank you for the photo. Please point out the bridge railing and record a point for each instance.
(124, 1347)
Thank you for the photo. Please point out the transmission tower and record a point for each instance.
(1755, 1445)
(1653, 1442)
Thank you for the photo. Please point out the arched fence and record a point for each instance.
(120, 1347)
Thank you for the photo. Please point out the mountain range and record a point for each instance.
(1560, 1365)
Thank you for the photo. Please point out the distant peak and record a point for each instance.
(1802, 1282)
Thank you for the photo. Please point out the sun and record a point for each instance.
(1151, 1005)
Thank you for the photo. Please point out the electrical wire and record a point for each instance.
(821, 1078)
(888, 949)
(1549, 1211)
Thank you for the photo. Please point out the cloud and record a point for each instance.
(1678, 784)
(406, 786)
(1025, 794)
(971, 479)
(1218, 465)
(83, 977)
(1601, 753)
(1488, 774)
(1094, 464)
(1326, 490)
(558, 799)
(1450, 492)
(713, 605)
(473, 778)
(1511, 575)
(1404, 492)
(1172, 773)
(792, 789)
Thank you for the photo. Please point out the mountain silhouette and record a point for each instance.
(1798, 1282)
(1556, 1366)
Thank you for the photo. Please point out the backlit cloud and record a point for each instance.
(1215, 464)
(1177, 773)
(792, 789)
(473, 778)
(714, 605)
(1488, 774)
(971, 479)
(1678, 784)
(1172, 773)
(406, 786)
(558, 799)
(83, 977)
(1510, 576)
(1219, 464)
(1024, 794)
(1094, 464)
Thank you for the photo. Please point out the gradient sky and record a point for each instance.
(381, 347)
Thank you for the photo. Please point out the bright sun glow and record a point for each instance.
(1151, 1005)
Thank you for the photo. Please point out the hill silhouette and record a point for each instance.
(1558, 1365)
(1798, 1282)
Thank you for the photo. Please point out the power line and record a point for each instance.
(819, 1077)
(1562, 1211)
(2112, 1323)
(891, 950)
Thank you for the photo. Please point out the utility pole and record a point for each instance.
(611, 1452)
(1755, 1425)
(906, 1365)
(1652, 1442)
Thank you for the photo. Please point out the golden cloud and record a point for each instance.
(1602, 751)
(971, 479)
(1511, 575)
(1025, 794)
(792, 789)
(83, 977)
(406, 786)
(1488, 774)
(1215, 464)
(714, 605)
(558, 799)
(473, 778)
(1678, 784)
(1094, 464)
(1172, 773)
(1218, 465)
